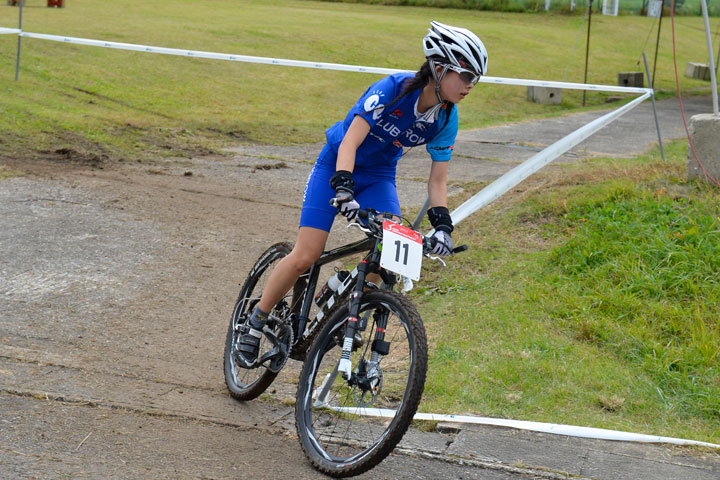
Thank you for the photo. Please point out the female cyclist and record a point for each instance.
(357, 165)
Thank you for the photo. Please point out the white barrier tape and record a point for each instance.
(9, 30)
(535, 163)
(571, 86)
(210, 55)
(554, 428)
(305, 64)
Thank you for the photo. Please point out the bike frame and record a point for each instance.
(368, 244)
(370, 264)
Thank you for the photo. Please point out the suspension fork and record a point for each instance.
(371, 263)
(344, 364)
(353, 317)
(379, 346)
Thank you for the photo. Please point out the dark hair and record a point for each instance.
(419, 81)
(422, 77)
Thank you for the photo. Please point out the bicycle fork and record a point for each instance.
(368, 375)
(345, 365)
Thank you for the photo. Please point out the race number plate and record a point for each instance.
(402, 250)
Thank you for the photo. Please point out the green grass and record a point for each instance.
(100, 104)
(592, 301)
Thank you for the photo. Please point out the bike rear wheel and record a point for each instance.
(243, 383)
(346, 430)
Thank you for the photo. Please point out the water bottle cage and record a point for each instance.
(331, 297)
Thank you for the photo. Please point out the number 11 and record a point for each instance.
(404, 246)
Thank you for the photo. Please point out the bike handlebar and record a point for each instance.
(428, 242)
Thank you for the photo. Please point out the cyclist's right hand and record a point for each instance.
(343, 184)
(443, 244)
(346, 204)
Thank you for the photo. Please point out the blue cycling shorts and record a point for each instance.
(371, 191)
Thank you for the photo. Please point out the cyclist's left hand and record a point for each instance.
(443, 243)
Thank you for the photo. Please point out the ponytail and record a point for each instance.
(422, 78)
(418, 82)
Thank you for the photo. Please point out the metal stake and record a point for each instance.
(713, 79)
(657, 45)
(17, 61)
(652, 96)
(421, 214)
(587, 46)
(321, 393)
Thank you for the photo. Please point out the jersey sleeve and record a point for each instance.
(440, 148)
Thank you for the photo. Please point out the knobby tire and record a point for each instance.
(247, 384)
(335, 438)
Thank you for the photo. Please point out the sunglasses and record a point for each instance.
(467, 76)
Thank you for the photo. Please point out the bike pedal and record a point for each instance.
(276, 362)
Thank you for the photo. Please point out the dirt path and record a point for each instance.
(116, 286)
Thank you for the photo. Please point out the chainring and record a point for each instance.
(277, 361)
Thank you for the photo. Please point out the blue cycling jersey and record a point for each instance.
(395, 127)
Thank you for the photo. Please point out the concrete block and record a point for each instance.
(705, 135)
(654, 8)
(448, 427)
(697, 70)
(544, 95)
(631, 79)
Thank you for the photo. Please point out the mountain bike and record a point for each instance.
(364, 346)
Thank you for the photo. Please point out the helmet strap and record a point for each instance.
(437, 78)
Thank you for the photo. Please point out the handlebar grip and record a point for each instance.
(430, 242)
(460, 248)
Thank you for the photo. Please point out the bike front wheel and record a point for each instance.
(346, 428)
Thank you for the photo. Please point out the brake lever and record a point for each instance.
(360, 226)
(436, 258)
(407, 284)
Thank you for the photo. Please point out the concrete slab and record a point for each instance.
(582, 457)
(544, 95)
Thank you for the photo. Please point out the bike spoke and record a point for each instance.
(244, 383)
(348, 422)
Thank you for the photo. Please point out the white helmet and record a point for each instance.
(456, 46)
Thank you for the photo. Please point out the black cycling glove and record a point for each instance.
(441, 221)
(342, 183)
